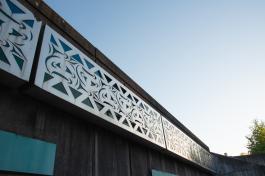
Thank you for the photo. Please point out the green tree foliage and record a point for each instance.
(256, 140)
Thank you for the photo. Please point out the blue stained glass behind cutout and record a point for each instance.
(65, 47)
(77, 58)
(13, 7)
(30, 23)
(15, 33)
(89, 65)
(98, 73)
(53, 40)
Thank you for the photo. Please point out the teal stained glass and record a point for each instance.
(158, 173)
(26, 155)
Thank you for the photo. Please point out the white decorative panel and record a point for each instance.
(19, 31)
(66, 72)
(181, 144)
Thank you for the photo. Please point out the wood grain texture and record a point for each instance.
(83, 149)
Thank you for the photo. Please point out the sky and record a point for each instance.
(203, 60)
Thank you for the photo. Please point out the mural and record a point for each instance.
(19, 31)
(66, 72)
(181, 144)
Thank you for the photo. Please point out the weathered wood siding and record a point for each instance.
(83, 148)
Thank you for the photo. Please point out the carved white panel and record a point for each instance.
(66, 72)
(181, 144)
(19, 31)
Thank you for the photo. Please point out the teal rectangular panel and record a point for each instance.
(26, 155)
(158, 173)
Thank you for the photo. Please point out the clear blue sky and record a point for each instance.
(203, 60)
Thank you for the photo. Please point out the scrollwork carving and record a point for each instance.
(19, 32)
(71, 75)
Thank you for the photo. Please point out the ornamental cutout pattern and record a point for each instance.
(66, 72)
(19, 33)
(181, 144)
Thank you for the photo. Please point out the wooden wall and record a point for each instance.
(83, 149)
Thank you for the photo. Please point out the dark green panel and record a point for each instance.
(26, 155)
(158, 173)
